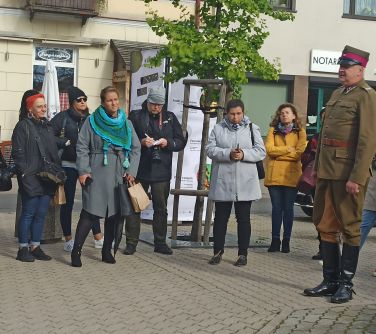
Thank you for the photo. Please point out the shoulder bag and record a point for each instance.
(49, 172)
(259, 164)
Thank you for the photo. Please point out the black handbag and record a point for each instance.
(259, 164)
(125, 204)
(49, 172)
(6, 174)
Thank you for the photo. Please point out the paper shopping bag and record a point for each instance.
(59, 197)
(139, 198)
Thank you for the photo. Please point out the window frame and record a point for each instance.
(73, 64)
(290, 8)
(352, 15)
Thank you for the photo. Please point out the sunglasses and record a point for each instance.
(81, 99)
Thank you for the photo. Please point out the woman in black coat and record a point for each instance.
(66, 126)
(36, 194)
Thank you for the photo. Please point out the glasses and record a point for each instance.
(81, 99)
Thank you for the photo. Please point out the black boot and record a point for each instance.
(109, 233)
(285, 246)
(349, 262)
(76, 256)
(107, 256)
(275, 246)
(330, 270)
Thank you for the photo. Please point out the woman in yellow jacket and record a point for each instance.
(285, 143)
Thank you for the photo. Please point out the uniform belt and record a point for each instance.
(336, 142)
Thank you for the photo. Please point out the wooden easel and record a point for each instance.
(200, 193)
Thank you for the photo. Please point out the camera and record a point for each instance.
(155, 156)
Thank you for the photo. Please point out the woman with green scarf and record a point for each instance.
(108, 153)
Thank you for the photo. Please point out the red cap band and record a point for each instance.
(360, 59)
(31, 99)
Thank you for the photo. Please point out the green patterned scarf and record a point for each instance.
(115, 131)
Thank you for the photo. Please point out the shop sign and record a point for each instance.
(324, 61)
(119, 76)
(55, 54)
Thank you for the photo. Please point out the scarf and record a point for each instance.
(285, 129)
(236, 127)
(115, 131)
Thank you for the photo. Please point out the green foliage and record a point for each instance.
(226, 45)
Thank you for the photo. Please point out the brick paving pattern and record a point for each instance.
(151, 293)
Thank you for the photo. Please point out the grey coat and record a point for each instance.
(101, 195)
(235, 180)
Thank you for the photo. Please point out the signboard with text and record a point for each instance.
(324, 61)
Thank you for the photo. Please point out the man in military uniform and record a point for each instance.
(346, 146)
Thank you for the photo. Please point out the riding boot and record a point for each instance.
(349, 262)
(330, 284)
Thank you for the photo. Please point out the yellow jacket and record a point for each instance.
(283, 168)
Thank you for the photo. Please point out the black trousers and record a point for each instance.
(86, 222)
(222, 214)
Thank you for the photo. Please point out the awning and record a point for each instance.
(124, 48)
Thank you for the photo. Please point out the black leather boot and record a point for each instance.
(76, 256)
(109, 233)
(330, 270)
(275, 246)
(349, 261)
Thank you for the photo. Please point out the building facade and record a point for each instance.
(92, 47)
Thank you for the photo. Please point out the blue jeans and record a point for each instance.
(368, 221)
(66, 209)
(282, 198)
(34, 210)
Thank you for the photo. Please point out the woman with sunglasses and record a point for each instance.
(66, 127)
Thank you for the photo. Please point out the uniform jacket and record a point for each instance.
(73, 124)
(234, 180)
(28, 159)
(149, 170)
(284, 168)
(349, 118)
(102, 195)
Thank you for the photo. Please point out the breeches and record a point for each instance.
(337, 213)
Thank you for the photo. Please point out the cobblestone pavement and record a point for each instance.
(151, 293)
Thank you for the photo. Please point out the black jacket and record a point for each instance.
(150, 170)
(73, 123)
(28, 159)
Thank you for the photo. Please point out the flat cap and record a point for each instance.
(157, 95)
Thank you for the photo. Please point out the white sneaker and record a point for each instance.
(98, 243)
(68, 245)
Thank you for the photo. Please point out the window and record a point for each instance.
(65, 62)
(360, 8)
(283, 4)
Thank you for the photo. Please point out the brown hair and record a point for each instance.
(276, 119)
(106, 90)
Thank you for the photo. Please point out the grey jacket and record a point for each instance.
(101, 195)
(235, 180)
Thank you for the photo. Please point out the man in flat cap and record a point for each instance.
(160, 134)
(346, 146)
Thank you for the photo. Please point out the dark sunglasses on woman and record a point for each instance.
(81, 99)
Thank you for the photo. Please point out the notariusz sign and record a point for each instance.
(324, 61)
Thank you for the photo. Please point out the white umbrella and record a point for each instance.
(50, 89)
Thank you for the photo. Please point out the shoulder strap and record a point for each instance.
(37, 138)
(252, 136)
(62, 131)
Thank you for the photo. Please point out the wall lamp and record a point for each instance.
(6, 55)
(96, 62)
